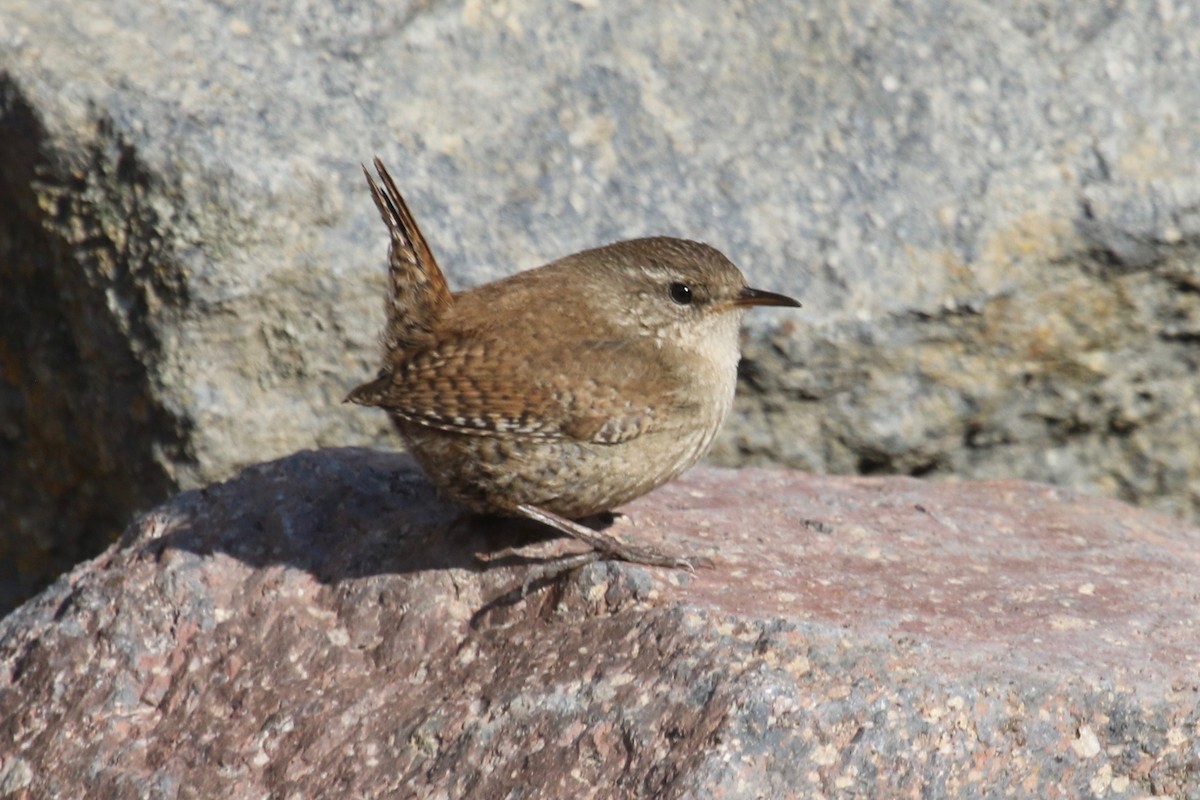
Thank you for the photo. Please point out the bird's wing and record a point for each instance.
(457, 386)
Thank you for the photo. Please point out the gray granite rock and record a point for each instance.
(320, 626)
(990, 212)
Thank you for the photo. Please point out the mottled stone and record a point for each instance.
(320, 626)
(988, 209)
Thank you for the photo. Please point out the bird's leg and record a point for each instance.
(608, 544)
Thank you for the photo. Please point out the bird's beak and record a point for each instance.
(757, 297)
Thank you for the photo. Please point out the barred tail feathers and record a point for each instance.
(418, 294)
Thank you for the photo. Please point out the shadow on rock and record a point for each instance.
(337, 513)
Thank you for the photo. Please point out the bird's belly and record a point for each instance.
(570, 478)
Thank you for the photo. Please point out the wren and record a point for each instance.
(563, 391)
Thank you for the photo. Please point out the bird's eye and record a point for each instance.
(681, 293)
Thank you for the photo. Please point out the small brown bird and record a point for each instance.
(563, 391)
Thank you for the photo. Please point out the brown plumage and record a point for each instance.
(565, 390)
(419, 294)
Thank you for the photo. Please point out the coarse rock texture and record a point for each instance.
(989, 210)
(320, 626)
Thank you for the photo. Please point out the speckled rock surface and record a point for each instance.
(320, 626)
(988, 209)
